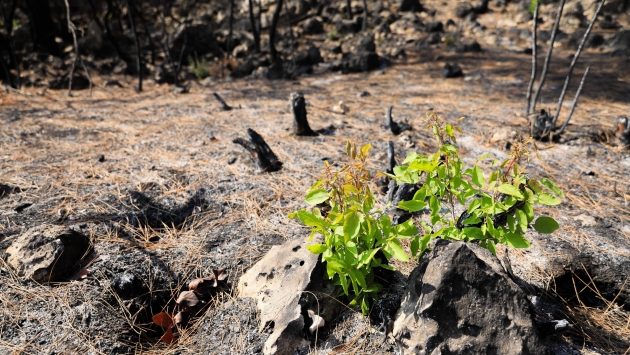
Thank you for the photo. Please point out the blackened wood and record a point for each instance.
(225, 107)
(577, 95)
(261, 154)
(300, 122)
(541, 125)
(531, 80)
(137, 43)
(573, 62)
(229, 41)
(554, 31)
(397, 194)
(252, 22)
(365, 16)
(272, 31)
(349, 9)
(391, 157)
(623, 130)
(394, 126)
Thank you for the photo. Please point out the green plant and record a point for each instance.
(199, 66)
(532, 6)
(354, 231)
(449, 40)
(333, 35)
(500, 208)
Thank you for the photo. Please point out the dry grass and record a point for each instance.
(160, 144)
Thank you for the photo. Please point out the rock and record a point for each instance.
(128, 285)
(358, 62)
(621, 41)
(311, 56)
(503, 135)
(410, 5)
(452, 71)
(434, 26)
(79, 81)
(101, 158)
(607, 23)
(199, 39)
(349, 26)
(312, 26)
(594, 40)
(432, 38)
(277, 283)
(459, 300)
(481, 6)
(47, 253)
(573, 15)
(473, 47)
(367, 44)
(462, 9)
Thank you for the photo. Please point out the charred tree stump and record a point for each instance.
(398, 193)
(383, 183)
(395, 127)
(224, 106)
(542, 125)
(623, 130)
(261, 154)
(300, 123)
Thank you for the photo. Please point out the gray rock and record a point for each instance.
(47, 253)
(462, 9)
(128, 285)
(277, 283)
(459, 300)
(312, 26)
(410, 5)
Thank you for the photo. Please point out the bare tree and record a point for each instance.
(137, 42)
(534, 68)
(72, 30)
(272, 31)
(255, 32)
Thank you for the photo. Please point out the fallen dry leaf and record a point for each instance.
(187, 300)
(163, 319)
(181, 318)
(168, 337)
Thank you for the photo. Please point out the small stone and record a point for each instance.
(452, 71)
(364, 94)
(232, 160)
(101, 158)
(128, 285)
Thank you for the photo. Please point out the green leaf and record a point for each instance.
(309, 219)
(422, 165)
(474, 204)
(317, 248)
(358, 278)
(510, 190)
(449, 130)
(365, 149)
(516, 240)
(546, 225)
(435, 205)
(344, 283)
(472, 220)
(547, 199)
(477, 177)
(511, 222)
(415, 246)
(424, 243)
(473, 233)
(490, 246)
(406, 229)
(412, 206)
(411, 157)
(316, 196)
(351, 225)
(528, 209)
(394, 248)
(522, 219)
(551, 186)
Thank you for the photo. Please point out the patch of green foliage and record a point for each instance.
(354, 231)
(498, 208)
(532, 6)
(449, 40)
(333, 35)
(199, 66)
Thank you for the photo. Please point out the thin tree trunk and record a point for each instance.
(365, 15)
(254, 29)
(531, 81)
(349, 9)
(137, 42)
(272, 31)
(229, 42)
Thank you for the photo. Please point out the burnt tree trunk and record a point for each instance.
(272, 31)
(43, 28)
(394, 126)
(224, 106)
(261, 154)
(300, 123)
(383, 183)
(541, 126)
(231, 22)
(349, 9)
(255, 32)
(137, 42)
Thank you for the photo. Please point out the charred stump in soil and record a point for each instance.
(224, 106)
(397, 194)
(542, 126)
(300, 123)
(623, 131)
(383, 183)
(394, 126)
(261, 154)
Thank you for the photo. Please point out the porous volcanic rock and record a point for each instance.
(47, 253)
(460, 300)
(277, 283)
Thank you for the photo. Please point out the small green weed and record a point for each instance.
(333, 35)
(449, 40)
(199, 66)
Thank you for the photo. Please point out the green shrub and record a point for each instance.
(500, 208)
(354, 231)
(199, 66)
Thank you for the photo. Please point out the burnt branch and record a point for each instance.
(577, 95)
(349, 9)
(534, 68)
(300, 122)
(72, 29)
(261, 154)
(394, 126)
(391, 157)
(554, 31)
(225, 107)
(573, 62)
(231, 22)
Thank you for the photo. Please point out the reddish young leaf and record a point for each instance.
(187, 300)
(163, 319)
(168, 337)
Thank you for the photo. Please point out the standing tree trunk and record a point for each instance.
(365, 16)
(229, 42)
(139, 52)
(254, 29)
(43, 28)
(272, 31)
(349, 6)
